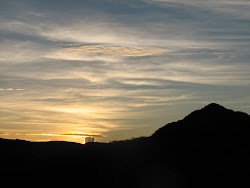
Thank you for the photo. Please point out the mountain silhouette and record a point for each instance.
(208, 148)
(211, 145)
(213, 124)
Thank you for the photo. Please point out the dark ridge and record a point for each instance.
(211, 119)
(212, 144)
(208, 148)
(214, 107)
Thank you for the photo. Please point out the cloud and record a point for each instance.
(113, 51)
(10, 89)
(22, 51)
(126, 65)
(74, 110)
(75, 134)
(229, 7)
(64, 134)
(4, 134)
(89, 139)
(78, 55)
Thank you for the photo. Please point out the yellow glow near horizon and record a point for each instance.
(41, 137)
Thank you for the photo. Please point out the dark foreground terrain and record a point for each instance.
(208, 148)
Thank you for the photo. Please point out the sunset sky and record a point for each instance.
(116, 69)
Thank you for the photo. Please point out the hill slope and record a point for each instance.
(210, 145)
(207, 148)
(213, 124)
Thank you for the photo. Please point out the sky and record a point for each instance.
(117, 69)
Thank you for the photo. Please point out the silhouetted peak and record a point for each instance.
(213, 120)
(214, 107)
(212, 110)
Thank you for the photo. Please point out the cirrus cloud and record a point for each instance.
(10, 89)
(89, 69)
(111, 50)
